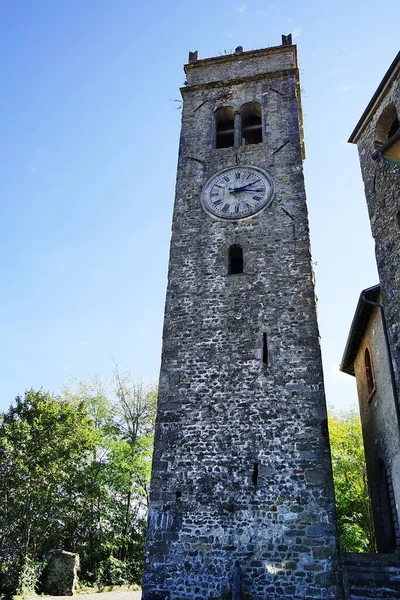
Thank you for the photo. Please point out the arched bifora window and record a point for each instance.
(387, 125)
(235, 260)
(251, 123)
(224, 127)
(241, 129)
(369, 372)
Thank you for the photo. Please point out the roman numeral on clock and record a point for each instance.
(225, 208)
(257, 198)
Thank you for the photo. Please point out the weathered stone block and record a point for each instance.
(61, 576)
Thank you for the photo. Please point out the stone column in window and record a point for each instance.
(238, 129)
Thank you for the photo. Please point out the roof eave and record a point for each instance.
(380, 89)
(357, 329)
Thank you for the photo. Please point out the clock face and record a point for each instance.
(237, 192)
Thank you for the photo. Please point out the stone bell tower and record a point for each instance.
(241, 500)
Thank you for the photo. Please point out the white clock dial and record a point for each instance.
(237, 192)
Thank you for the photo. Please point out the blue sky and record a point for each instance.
(90, 127)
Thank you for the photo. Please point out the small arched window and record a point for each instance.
(369, 372)
(235, 260)
(251, 123)
(224, 127)
(387, 125)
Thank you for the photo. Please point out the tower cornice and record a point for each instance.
(237, 57)
(238, 80)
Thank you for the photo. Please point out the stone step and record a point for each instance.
(374, 593)
(371, 576)
(374, 568)
(385, 587)
(356, 558)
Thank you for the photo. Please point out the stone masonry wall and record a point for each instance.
(380, 423)
(382, 190)
(216, 530)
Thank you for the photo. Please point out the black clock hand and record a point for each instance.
(242, 190)
(243, 187)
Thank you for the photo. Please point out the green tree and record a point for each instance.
(44, 443)
(74, 473)
(111, 531)
(353, 506)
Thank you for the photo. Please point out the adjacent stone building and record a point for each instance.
(367, 358)
(241, 500)
(372, 352)
(377, 136)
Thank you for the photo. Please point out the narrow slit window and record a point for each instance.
(251, 123)
(265, 349)
(235, 260)
(369, 372)
(255, 474)
(178, 495)
(224, 127)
